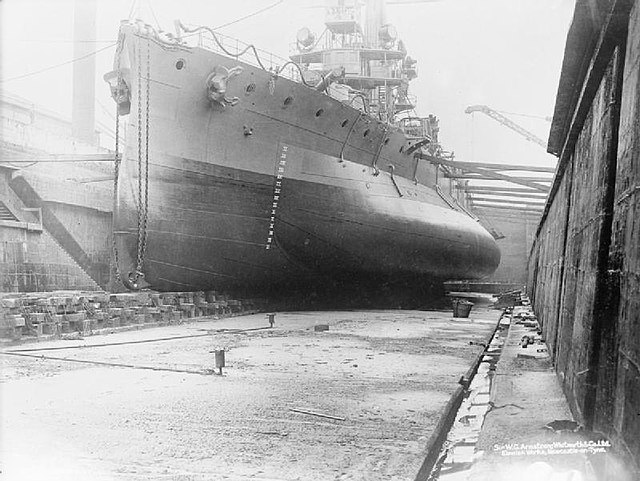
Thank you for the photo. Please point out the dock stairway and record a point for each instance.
(39, 251)
(6, 214)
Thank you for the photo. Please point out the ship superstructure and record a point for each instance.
(244, 171)
(371, 64)
(359, 59)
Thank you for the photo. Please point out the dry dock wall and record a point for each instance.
(516, 233)
(57, 236)
(584, 265)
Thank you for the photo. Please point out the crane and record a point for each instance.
(497, 116)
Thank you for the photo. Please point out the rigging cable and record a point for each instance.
(238, 20)
(245, 50)
(204, 372)
(59, 65)
(153, 14)
(133, 6)
(268, 7)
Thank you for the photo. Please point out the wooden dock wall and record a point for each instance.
(584, 265)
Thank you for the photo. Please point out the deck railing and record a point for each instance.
(247, 53)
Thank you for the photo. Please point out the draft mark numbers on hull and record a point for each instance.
(277, 188)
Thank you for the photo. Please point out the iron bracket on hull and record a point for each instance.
(346, 139)
(376, 171)
(393, 179)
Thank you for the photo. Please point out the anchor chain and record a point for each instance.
(117, 160)
(146, 159)
(143, 166)
(116, 173)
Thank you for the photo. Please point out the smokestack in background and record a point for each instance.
(83, 113)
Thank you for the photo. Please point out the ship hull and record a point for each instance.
(206, 231)
(259, 199)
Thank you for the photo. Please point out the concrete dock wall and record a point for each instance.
(31, 259)
(584, 266)
(624, 254)
(516, 236)
(77, 215)
(60, 237)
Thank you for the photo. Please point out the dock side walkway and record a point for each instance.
(524, 427)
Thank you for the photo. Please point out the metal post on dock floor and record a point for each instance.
(219, 360)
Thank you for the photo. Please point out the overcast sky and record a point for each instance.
(506, 54)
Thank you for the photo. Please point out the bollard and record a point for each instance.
(219, 358)
(461, 308)
(272, 319)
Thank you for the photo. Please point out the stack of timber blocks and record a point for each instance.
(62, 313)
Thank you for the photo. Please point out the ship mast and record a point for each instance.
(376, 17)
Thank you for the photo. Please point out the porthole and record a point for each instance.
(365, 133)
(319, 112)
(386, 141)
(288, 101)
(344, 123)
(401, 149)
(250, 88)
(180, 64)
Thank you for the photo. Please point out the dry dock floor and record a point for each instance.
(385, 376)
